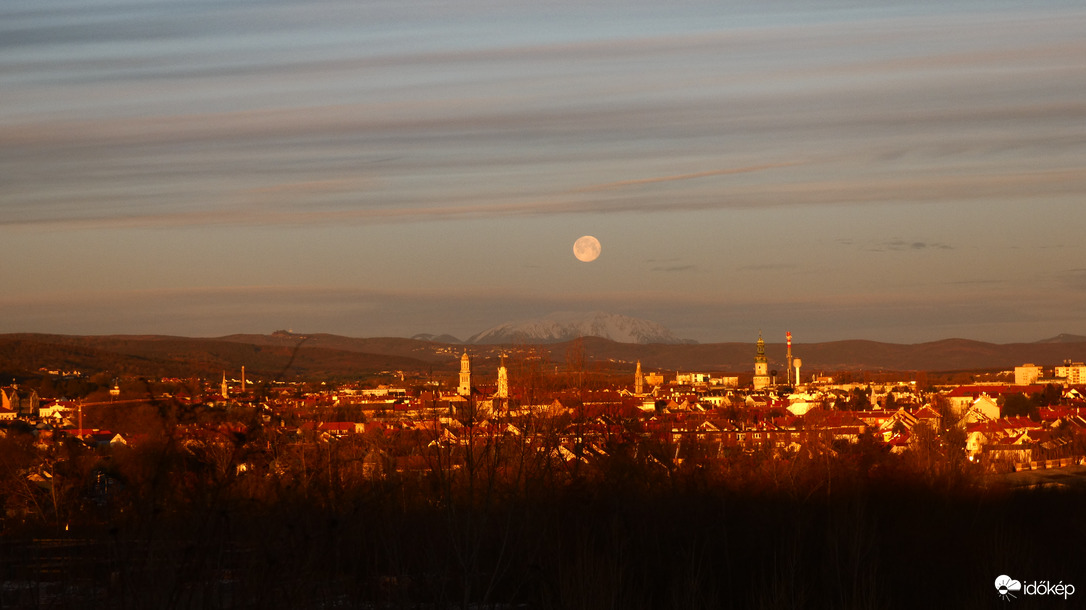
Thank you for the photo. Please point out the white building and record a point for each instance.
(1073, 372)
(984, 408)
(1027, 374)
(654, 379)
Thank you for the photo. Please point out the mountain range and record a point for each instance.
(567, 326)
(284, 355)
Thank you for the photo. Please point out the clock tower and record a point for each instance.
(761, 365)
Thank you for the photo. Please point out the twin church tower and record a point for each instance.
(464, 389)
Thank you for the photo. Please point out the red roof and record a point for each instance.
(1054, 413)
(973, 391)
(926, 412)
(337, 426)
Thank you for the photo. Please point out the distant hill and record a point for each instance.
(1065, 338)
(945, 355)
(162, 356)
(424, 351)
(283, 355)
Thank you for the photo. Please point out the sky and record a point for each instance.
(883, 170)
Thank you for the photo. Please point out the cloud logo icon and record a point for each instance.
(1006, 586)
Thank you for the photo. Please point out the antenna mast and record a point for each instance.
(788, 336)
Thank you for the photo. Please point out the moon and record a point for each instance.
(586, 249)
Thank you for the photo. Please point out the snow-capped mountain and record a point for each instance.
(436, 338)
(566, 326)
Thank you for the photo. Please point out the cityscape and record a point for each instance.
(1028, 418)
(530, 305)
(123, 478)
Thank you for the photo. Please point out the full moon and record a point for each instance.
(586, 249)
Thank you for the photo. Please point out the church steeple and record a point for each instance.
(503, 380)
(761, 365)
(465, 375)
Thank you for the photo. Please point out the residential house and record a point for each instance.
(982, 409)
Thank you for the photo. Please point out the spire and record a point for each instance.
(503, 379)
(761, 365)
(465, 375)
(639, 380)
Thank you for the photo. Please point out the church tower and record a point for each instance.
(465, 375)
(761, 365)
(503, 380)
(225, 390)
(639, 380)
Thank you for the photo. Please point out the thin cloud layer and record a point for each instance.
(766, 152)
(938, 108)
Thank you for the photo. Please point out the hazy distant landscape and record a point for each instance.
(299, 355)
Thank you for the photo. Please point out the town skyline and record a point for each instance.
(900, 172)
(89, 451)
(144, 469)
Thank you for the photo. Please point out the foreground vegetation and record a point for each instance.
(210, 511)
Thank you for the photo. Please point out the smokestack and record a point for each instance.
(788, 356)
